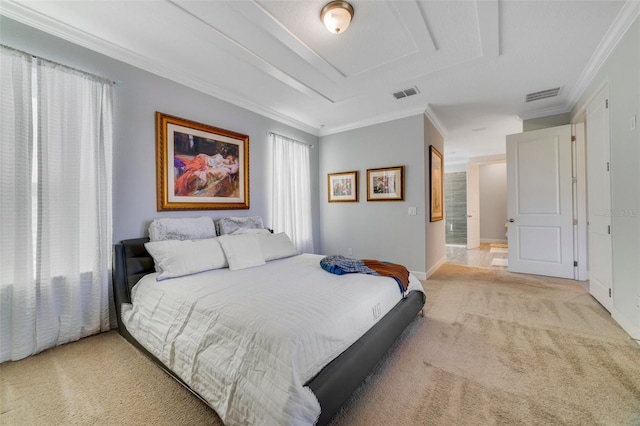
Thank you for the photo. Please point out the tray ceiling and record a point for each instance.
(473, 62)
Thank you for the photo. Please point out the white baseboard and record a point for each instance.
(627, 325)
(435, 267)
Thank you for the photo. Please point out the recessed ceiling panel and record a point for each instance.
(376, 36)
(472, 60)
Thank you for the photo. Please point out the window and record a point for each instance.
(55, 214)
(291, 191)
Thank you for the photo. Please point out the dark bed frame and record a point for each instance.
(334, 385)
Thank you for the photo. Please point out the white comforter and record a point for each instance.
(248, 340)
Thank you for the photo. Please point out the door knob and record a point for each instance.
(511, 220)
(468, 215)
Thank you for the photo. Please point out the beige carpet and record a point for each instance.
(493, 349)
(99, 380)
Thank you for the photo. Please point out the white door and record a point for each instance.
(540, 202)
(599, 199)
(473, 206)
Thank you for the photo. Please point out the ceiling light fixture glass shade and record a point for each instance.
(337, 16)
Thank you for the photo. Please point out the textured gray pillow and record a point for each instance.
(195, 228)
(228, 225)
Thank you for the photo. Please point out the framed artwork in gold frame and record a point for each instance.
(385, 184)
(200, 167)
(437, 188)
(342, 187)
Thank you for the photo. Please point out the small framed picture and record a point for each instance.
(343, 187)
(386, 184)
(437, 202)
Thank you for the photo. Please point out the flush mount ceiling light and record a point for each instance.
(337, 16)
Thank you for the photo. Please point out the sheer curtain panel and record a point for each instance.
(291, 191)
(66, 295)
(17, 286)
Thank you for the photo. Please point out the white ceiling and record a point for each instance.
(473, 62)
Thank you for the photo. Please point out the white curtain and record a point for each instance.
(291, 191)
(66, 293)
(16, 249)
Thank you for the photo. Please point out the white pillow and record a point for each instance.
(175, 258)
(191, 228)
(276, 246)
(255, 231)
(242, 251)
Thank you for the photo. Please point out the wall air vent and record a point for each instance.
(542, 94)
(406, 92)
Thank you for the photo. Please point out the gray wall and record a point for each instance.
(381, 229)
(493, 202)
(136, 100)
(372, 229)
(622, 71)
(435, 236)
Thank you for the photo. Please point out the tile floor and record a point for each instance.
(486, 256)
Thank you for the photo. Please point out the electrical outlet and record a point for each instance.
(413, 211)
(349, 251)
(633, 122)
(638, 302)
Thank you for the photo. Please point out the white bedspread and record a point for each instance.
(248, 340)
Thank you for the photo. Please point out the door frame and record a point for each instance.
(600, 218)
(473, 200)
(580, 212)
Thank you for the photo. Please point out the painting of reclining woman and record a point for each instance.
(205, 167)
(200, 167)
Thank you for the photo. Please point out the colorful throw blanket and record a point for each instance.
(339, 265)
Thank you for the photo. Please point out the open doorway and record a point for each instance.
(491, 193)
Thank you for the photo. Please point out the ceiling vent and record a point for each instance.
(406, 92)
(550, 93)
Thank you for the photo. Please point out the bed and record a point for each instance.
(308, 384)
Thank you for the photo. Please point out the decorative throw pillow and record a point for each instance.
(176, 258)
(276, 246)
(227, 225)
(192, 228)
(242, 251)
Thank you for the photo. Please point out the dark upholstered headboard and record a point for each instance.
(131, 261)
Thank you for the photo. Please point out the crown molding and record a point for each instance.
(21, 13)
(623, 21)
(626, 17)
(383, 118)
(431, 115)
(579, 114)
